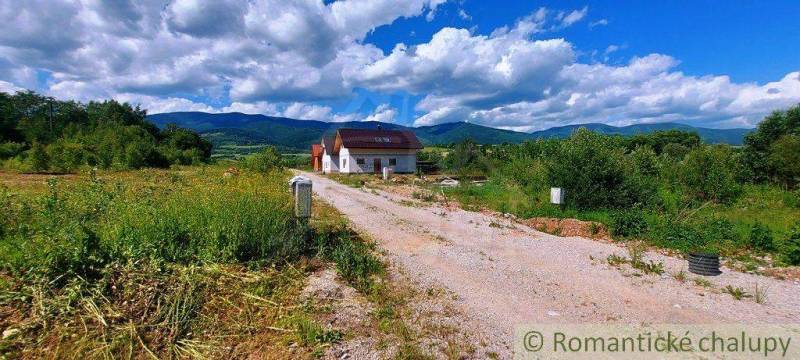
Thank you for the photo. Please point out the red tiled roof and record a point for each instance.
(378, 139)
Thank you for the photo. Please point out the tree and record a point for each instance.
(784, 159)
(758, 144)
(709, 173)
(658, 140)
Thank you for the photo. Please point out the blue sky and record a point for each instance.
(520, 65)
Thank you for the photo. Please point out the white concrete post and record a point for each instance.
(557, 196)
(387, 173)
(301, 190)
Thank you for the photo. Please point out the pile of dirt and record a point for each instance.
(569, 227)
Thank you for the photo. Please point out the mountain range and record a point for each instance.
(237, 129)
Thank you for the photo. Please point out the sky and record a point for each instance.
(519, 65)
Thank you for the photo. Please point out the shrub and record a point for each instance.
(627, 223)
(595, 172)
(37, 157)
(761, 238)
(680, 236)
(709, 173)
(791, 248)
(266, 160)
(356, 263)
(10, 149)
(784, 158)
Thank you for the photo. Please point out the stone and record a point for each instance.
(10, 333)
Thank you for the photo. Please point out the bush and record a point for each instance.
(791, 248)
(627, 223)
(681, 236)
(709, 174)
(264, 161)
(10, 149)
(761, 238)
(595, 172)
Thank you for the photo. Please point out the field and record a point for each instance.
(179, 263)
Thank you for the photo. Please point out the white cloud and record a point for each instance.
(259, 107)
(307, 112)
(601, 22)
(383, 113)
(155, 105)
(9, 88)
(463, 15)
(283, 57)
(574, 16)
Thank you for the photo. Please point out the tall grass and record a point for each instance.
(166, 264)
(79, 229)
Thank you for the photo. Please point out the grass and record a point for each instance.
(736, 292)
(636, 261)
(708, 227)
(166, 264)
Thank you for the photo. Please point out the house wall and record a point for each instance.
(348, 160)
(330, 163)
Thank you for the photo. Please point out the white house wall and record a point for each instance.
(406, 160)
(330, 163)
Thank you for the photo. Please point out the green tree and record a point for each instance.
(758, 145)
(37, 157)
(710, 173)
(784, 159)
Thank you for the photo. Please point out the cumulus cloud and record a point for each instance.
(9, 88)
(286, 57)
(259, 50)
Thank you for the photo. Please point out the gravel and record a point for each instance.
(512, 274)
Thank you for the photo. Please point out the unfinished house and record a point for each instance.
(369, 151)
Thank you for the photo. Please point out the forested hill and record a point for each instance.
(293, 134)
(712, 136)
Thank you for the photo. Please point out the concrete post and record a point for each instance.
(302, 199)
(387, 173)
(301, 191)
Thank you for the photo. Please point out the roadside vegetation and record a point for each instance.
(667, 188)
(166, 264)
(41, 134)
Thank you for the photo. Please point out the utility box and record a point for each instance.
(557, 196)
(301, 189)
(387, 173)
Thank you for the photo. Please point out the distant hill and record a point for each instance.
(242, 130)
(712, 136)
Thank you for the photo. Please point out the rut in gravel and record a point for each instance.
(504, 273)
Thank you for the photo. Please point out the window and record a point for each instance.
(344, 163)
(360, 161)
(392, 162)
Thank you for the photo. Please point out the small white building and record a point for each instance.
(369, 151)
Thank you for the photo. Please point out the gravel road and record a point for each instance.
(504, 273)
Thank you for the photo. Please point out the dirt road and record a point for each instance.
(503, 273)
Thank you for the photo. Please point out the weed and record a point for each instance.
(702, 282)
(594, 228)
(616, 260)
(628, 223)
(680, 276)
(424, 195)
(736, 292)
(760, 294)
